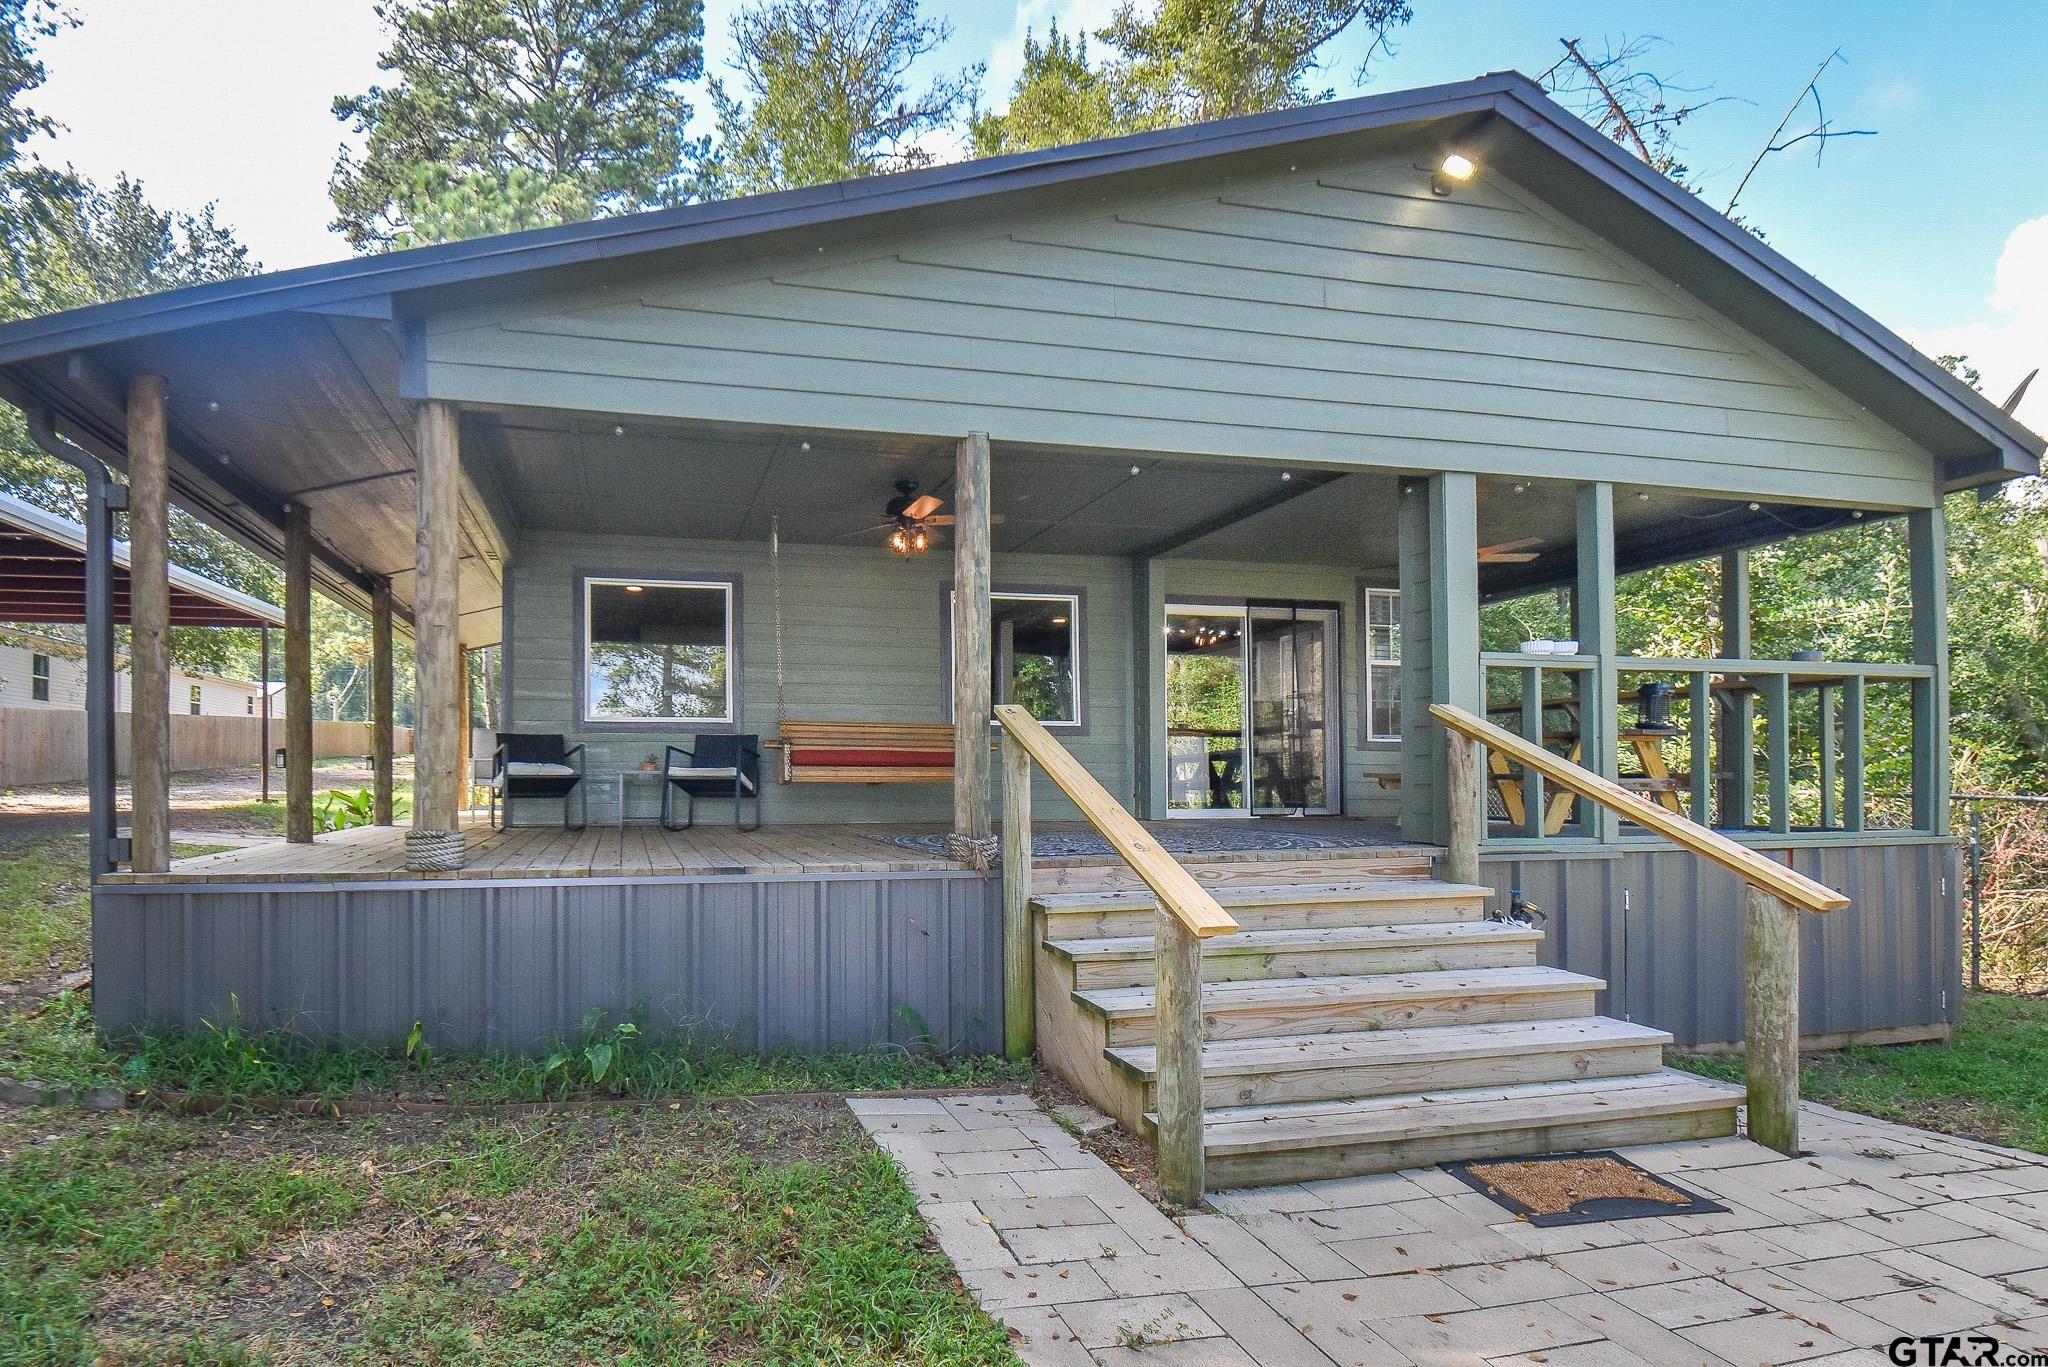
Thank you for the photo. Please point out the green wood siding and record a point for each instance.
(863, 640)
(1338, 314)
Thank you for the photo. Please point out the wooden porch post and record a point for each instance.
(1019, 965)
(1148, 689)
(1453, 645)
(437, 740)
(1735, 742)
(971, 665)
(1927, 548)
(298, 674)
(1468, 814)
(263, 728)
(380, 703)
(1593, 621)
(1177, 1010)
(1771, 1025)
(149, 648)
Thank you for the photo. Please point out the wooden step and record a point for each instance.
(1263, 1071)
(1363, 901)
(1324, 1006)
(1242, 867)
(1254, 1145)
(1324, 952)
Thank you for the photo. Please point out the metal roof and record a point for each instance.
(42, 578)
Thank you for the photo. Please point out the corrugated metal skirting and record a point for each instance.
(818, 962)
(1665, 930)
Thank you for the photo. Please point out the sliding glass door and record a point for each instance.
(1251, 709)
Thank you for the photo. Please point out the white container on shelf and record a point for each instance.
(1564, 647)
(1539, 647)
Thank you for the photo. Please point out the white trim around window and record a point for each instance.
(1382, 657)
(1071, 601)
(593, 714)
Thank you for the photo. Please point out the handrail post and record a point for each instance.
(1461, 860)
(1771, 1027)
(1019, 990)
(1178, 1015)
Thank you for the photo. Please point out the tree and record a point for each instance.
(28, 188)
(826, 94)
(1179, 61)
(1190, 60)
(575, 105)
(1058, 99)
(440, 205)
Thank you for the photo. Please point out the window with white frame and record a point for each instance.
(657, 650)
(1035, 653)
(249, 706)
(39, 677)
(1383, 664)
(193, 696)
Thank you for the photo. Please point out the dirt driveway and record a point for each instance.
(216, 801)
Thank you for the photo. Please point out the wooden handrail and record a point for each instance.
(1755, 869)
(1178, 892)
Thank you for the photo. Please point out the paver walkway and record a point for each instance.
(1884, 1230)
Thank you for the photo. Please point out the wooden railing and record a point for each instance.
(1775, 897)
(1833, 750)
(1187, 916)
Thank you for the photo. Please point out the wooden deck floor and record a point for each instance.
(377, 853)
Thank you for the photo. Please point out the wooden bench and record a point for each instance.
(865, 752)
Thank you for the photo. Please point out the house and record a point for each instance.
(49, 671)
(1201, 451)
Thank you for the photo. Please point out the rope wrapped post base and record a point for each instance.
(977, 852)
(433, 851)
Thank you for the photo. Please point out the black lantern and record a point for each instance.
(1653, 708)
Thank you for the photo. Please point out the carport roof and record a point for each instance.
(42, 578)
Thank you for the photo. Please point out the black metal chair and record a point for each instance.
(532, 765)
(716, 766)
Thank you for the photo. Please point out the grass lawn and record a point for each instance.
(704, 1230)
(768, 1231)
(1989, 1081)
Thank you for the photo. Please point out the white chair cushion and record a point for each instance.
(522, 768)
(709, 772)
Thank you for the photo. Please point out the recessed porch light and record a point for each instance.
(635, 588)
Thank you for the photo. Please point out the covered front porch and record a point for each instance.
(1063, 852)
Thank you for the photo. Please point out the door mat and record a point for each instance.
(1577, 1189)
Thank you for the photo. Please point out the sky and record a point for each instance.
(1938, 225)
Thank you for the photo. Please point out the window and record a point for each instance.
(1383, 664)
(39, 677)
(249, 706)
(192, 696)
(657, 651)
(1034, 653)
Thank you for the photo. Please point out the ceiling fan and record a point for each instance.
(1510, 552)
(909, 517)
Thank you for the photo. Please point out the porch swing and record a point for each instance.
(851, 751)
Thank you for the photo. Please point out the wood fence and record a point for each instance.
(47, 744)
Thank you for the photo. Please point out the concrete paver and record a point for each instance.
(1879, 1231)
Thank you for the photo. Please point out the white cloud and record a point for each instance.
(1006, 54)
(2016, 340)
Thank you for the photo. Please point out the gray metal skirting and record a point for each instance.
(819, 962)
(1665, 930)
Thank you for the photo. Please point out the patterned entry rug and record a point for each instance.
(1182, 837)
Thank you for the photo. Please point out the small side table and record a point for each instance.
(627, 778)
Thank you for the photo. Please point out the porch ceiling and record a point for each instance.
(561, 472)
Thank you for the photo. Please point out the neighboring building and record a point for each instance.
(50, 672)
(1204, 447)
